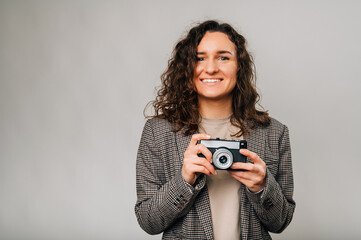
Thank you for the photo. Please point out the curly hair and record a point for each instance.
(177, 99)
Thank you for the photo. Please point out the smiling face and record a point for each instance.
(215, 74)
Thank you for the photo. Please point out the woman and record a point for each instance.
(208, 92)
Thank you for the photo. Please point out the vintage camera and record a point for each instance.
(224, 152)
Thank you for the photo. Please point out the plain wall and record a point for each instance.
(75, 77)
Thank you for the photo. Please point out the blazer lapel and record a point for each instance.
(182, 144)
(255, 143)
(201, 204)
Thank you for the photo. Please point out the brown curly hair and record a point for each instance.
(177, 99)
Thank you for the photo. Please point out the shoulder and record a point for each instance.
(158, 123)
(275, 129)
(276, 125)
(159, 134)
(278, 136)
(158, 126)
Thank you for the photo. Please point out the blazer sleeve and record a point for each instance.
(161, 199)
(275, 205)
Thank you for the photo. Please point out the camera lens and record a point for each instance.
(223, 159)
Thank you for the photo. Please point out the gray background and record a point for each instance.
(76, 75)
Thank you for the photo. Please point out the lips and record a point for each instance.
(211, 80)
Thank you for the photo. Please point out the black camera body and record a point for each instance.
(224, 152)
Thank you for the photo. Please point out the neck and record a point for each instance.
(215, 108)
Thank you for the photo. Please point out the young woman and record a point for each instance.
(208, 91)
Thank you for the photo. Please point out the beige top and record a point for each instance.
(223, 190)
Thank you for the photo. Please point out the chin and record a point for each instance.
(213, 97)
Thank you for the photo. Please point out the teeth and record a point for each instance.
(211, 80)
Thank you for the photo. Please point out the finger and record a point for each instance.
(201, 169)
(238, 177)
(208, 165)
(251, 155)
(241, 176)
(200, 161)
(205, 163)
(243, 166)
(205, 151)
(196, 137)
(193, 165)
(251, 181)
(254, 169)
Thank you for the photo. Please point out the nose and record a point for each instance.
(211, 67)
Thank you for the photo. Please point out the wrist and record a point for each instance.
(188, 179)
(255, 191)
(258, 188)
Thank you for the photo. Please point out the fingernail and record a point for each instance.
(215, 172)
(242, 150)
(208, 136)
(233, 165)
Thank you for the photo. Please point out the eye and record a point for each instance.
(200, 59)
(223, 58)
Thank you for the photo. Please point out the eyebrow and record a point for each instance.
(219, 52)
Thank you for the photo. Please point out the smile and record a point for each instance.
(211, 80)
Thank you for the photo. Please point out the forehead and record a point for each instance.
(214, 42)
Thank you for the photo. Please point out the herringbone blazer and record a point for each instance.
(166, 203)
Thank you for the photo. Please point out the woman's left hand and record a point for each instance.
(254, 175)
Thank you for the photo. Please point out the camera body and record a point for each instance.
(224, 152)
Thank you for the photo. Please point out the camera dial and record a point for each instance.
(222, 158)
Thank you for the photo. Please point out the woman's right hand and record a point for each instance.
(193, 165)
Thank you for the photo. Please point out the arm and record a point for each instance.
(274, 205)
(160, 201)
